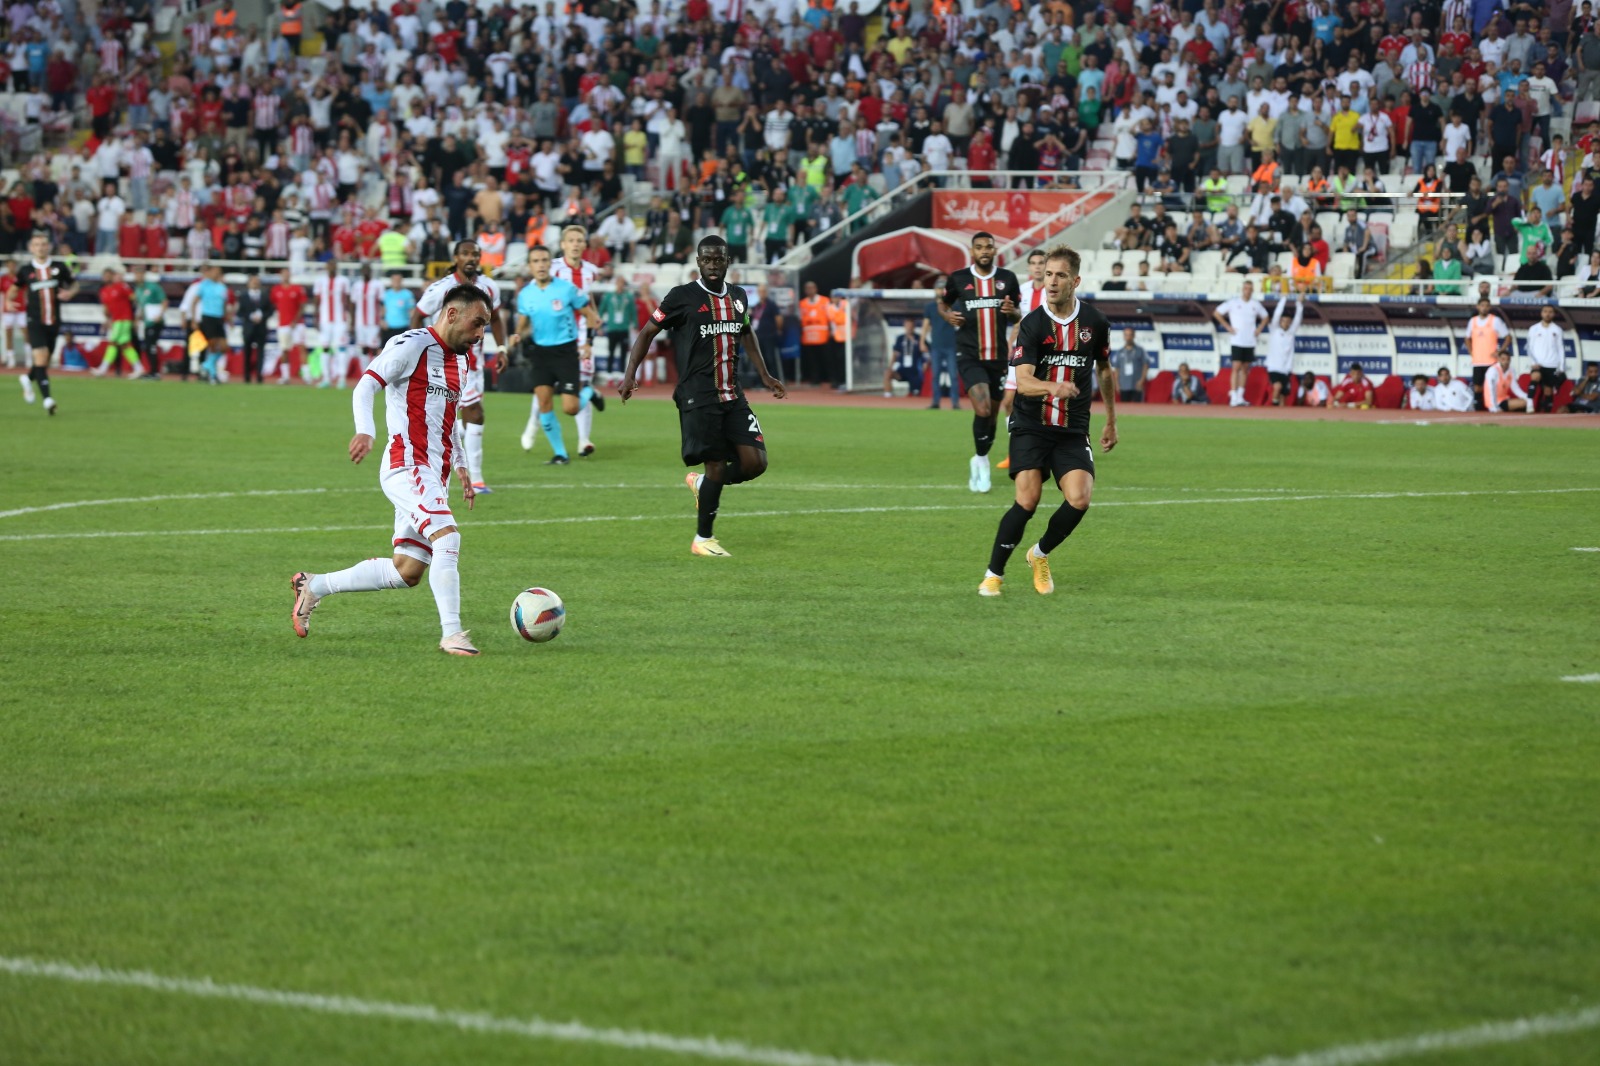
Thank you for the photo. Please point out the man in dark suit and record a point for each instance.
(254, 310)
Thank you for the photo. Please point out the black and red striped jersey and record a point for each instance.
(1061, 349)
(705, 328)
(978, 298)
(44, 284)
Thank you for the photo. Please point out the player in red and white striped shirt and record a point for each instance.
(468, 256)
(584, 275)
(1031, 295)
(331, 293)
(420, 372)
(366, 295)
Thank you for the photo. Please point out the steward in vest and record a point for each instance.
(814, 333)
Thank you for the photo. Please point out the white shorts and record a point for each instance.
(369, 337)
(291, 337)
(333, 334)
(14, 320)
(421, 508)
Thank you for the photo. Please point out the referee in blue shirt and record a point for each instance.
(545, 311)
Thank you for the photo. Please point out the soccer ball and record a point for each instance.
(538, 615)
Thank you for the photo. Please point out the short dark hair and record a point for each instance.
(982, 235)
(465, 294)
(1039, 252)
(710, 240)
(1356, 366)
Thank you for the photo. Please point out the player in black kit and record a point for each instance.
(1060, 347)
(48, 285)
(980, 301)
(709, 321)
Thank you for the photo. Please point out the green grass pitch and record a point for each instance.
(1264, 776)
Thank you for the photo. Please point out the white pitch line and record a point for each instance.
(1583, 679)
(1586, 549)
(467, 1021)
(1512, 1032)
(791, 513)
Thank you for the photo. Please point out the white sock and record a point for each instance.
(533, 418)
(475, 452)
(368, 576)
(1039, 553)
(698, 539)
(990, 573)
(585, 420)
(698, 479)
(444, 577)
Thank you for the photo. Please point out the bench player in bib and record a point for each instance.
(709, 321)
(980, 301)
(422, 374)
(468, 258)
(1060, 348)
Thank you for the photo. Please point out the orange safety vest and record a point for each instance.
(534, 235)
(290, 26)
(1427, 204)
(838, 318)
(898, 12)
(1483, 341)
(942, 8)
(492, 250)
(1316, 186)
(223, 21)
(1502, 387)
(1267, 172)
(814, 320)
(1305, 277)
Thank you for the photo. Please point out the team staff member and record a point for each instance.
(1547, 356)
(1487, 336)
(255, 307)
(1500, 388)
(980, 301)
(1280, 349)
(1060, 349)
(840, 330)
(545, 309)
(1242, 317)
(49, 285)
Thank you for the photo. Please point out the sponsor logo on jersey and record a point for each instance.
(712, 328)
(1064, 359)
(449, 394)
(657, 315)
(983, 304)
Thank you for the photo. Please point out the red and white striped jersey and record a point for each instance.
(422, 382)
(265, 106)
(277, 240)
(1556, 163)
(180, 214)
(140, 161)
(368, 296)
(110, 56)
(433, 298)
(1031, 295)
(585, 277)
(301, 140)
(332, 295)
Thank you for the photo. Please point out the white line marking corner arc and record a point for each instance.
(467, 1021)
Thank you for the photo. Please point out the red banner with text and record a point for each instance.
(1009, 212)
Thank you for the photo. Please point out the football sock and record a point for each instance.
(444, 577)
(983, 434)
(552, 432)
(732, 472)
(710, 497)
(533, 417)
(585, 420)
(41, 377)
(1062, 523)
(370, 575)
(475, 452)
(1012, 525)
(585, 397)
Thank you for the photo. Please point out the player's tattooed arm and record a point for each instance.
(752, 351)
(1108, 392)
(641, 348)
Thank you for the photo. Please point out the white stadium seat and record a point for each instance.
(1206, 265)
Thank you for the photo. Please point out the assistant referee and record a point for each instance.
(545, 309)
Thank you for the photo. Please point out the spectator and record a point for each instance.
(1132, 365)
(1187, 387)
(1354, 391)
(1586, 394)
(620, 235)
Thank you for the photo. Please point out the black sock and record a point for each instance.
(1062, 523)
(41, 375)
(1012, 525)
(710, 497)
(732, 473)
(983, 434)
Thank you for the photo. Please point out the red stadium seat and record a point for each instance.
(1217, 387)
(1391, 394)
(1257, 387)
(1159, 388)
(1563, 395)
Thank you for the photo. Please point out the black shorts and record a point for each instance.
(975, 372)
(1057, 451)
(1278, 379)
(41, 336)
(212, 328)
(1243, 355)
(711, 433)
(557, 367)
